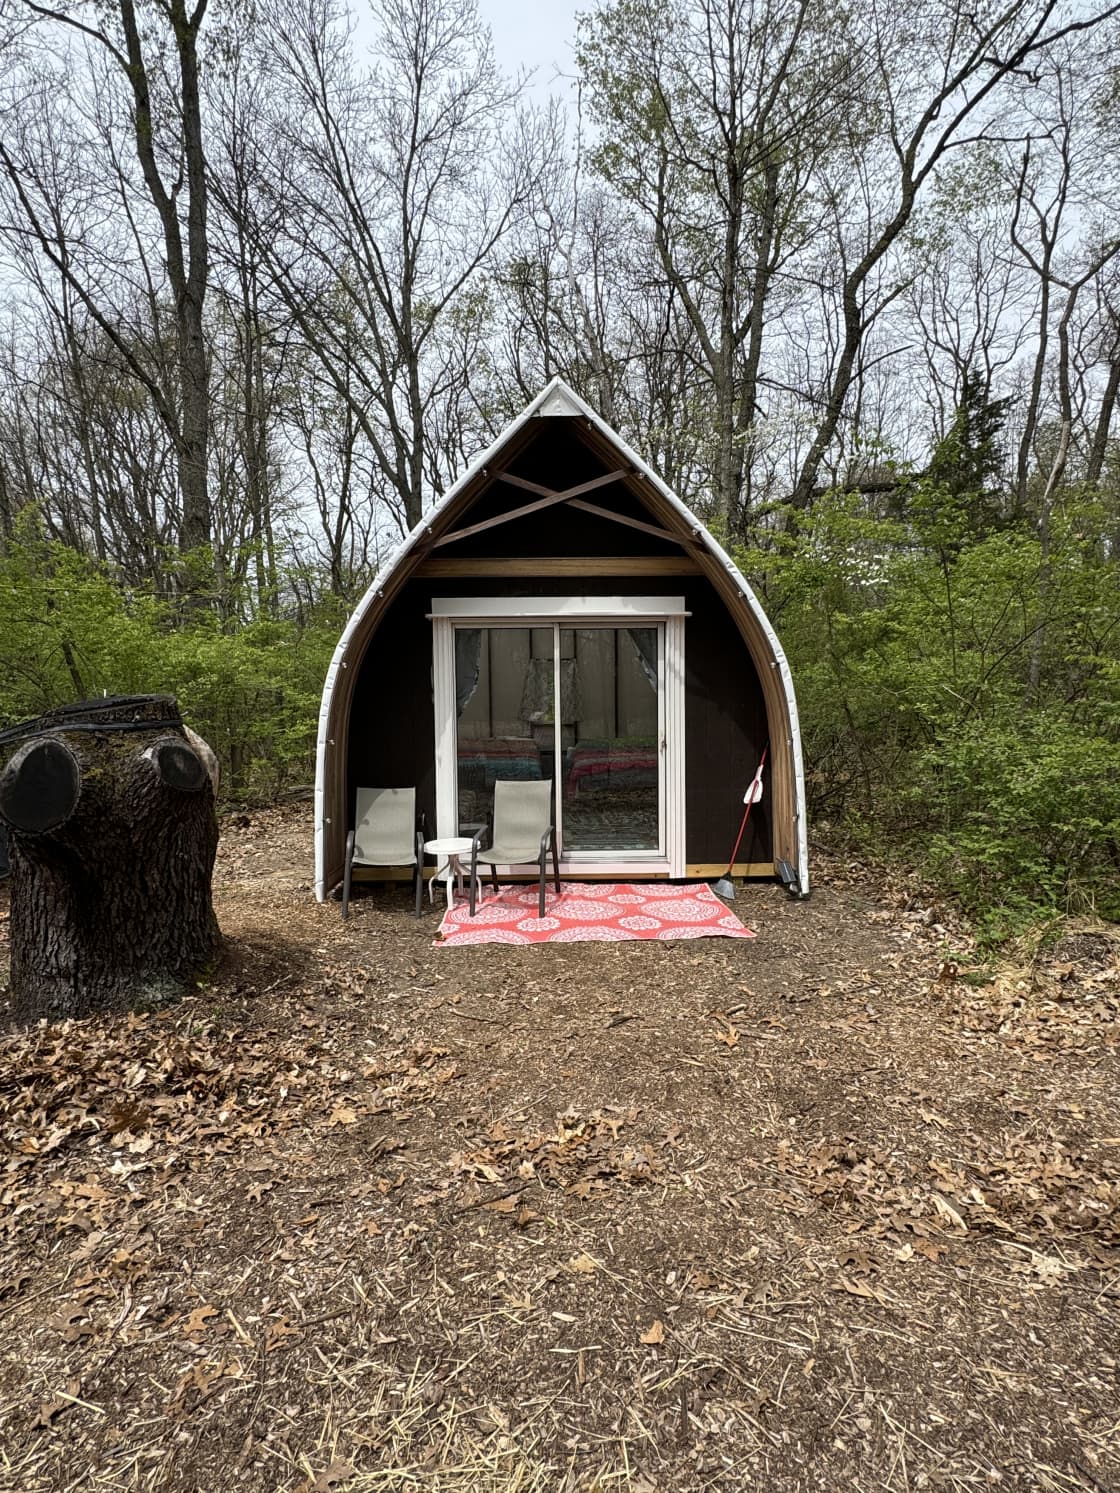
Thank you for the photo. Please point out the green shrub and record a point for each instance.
(960, 704)
(252, 690)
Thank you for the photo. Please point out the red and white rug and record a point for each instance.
(591, 913)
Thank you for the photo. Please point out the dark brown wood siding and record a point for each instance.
(557, 459)
(725, 731)
(392, 722)
(392, 726)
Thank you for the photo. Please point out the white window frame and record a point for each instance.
(542, 609)
(557, 611)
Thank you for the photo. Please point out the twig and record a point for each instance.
(494, 1197)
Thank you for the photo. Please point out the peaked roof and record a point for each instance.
(558, 400)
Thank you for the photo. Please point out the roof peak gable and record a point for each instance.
(557, 399)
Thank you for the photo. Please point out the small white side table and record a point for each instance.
(449, 866)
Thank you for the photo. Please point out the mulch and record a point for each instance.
(836, 1207)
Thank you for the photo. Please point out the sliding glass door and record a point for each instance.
(493, 736)
(583, 706)
(611, 765)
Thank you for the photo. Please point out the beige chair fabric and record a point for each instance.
(385, 833)
(523, 832)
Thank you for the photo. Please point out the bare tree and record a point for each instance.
(967, 304)
(713, 119)
(252, 349)
(390, 190)
(922, 121)
(92, 48)
(82, 445)
(1107, 350)
(1063, 183)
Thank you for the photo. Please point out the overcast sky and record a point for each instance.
(529, 34)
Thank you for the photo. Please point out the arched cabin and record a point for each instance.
(560, 613)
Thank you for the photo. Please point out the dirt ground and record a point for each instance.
(835, 1208)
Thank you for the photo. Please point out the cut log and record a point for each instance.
(40, 787)
(112, 836)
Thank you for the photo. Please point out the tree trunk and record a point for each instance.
(1099, 449)
(188, 266)
(110, 813)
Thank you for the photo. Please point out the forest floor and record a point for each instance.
(834, 1208)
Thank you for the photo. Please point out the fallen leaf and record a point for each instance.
(331, 1477)
(200, 1376)
(730, 1037)
(343, 1115)
(858, 1261)
(948, 1213)
(50, 1409)
(195, 1324)
(583, 1264)
(653, 1334)
(73, 1325)
(278, 1334)
(928, 1248)
(858, 1288)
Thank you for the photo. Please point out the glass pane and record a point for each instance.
(610, 740)
(504, 702)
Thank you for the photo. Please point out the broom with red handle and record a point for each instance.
(725, 887)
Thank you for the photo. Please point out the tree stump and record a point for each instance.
(109, 807)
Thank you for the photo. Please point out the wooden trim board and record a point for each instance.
(558, 565)
(700, 871)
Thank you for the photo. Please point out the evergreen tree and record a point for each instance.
(958, 500)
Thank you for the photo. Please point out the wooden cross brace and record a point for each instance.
(549, 498)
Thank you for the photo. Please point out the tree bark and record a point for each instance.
(187, 271)
(1099, 449)
(109, 808)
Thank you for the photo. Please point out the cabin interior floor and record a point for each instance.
(617, 822)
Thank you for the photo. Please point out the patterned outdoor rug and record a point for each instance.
(591, 913)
